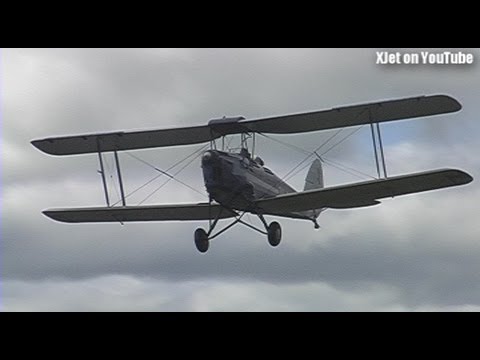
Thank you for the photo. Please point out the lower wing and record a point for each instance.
(181, 212)
(338, 197)
(364, 193)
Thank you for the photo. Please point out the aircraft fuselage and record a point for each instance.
(235, 180)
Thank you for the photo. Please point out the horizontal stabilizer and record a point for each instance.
(180, 212)
(287, 124)
(364, 193)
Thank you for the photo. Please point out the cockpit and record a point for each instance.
(245, 154)
(259, 161)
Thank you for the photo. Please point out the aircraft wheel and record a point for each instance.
(274, 233)
(201, 240)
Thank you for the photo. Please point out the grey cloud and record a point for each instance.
(422, 257)
(117, 293)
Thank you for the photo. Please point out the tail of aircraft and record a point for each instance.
(314, 180)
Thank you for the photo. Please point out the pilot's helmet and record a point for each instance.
(259, 161)
(244, 152)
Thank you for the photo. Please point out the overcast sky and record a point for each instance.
(414, 253)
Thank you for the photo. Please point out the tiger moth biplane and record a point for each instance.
(238, 183)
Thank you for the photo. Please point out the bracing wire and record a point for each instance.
(341, 141)
(173, 178)
(339, 166)
(291, 173)
(299, 170)
(291, 146)
(346, 168)
(312, 153)
(162, 172)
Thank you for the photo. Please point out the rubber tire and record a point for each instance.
(274, 233)
(201, 240)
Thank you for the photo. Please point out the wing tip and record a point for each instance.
(36, 143)
(456, 177)
(48, 147)
(460, 177)
(453, 104)
(40, 145)
(49, 214)
(56, 216)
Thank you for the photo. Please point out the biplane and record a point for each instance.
(237, 182)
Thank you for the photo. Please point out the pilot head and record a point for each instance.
(244, 153)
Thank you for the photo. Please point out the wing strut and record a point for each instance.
(102, 172)
(119, 173)
(377, 146)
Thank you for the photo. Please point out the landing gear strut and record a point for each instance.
(202, 237)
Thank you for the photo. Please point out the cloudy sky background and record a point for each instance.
(414, 253)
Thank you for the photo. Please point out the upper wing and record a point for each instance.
(179, 212)
(356, 115)
(296, 123)
(131, 140)
(364, 193)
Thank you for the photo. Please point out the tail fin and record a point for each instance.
(314, 179)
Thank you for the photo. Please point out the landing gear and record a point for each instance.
(274, 233)
(202, 237)
(201, 240)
